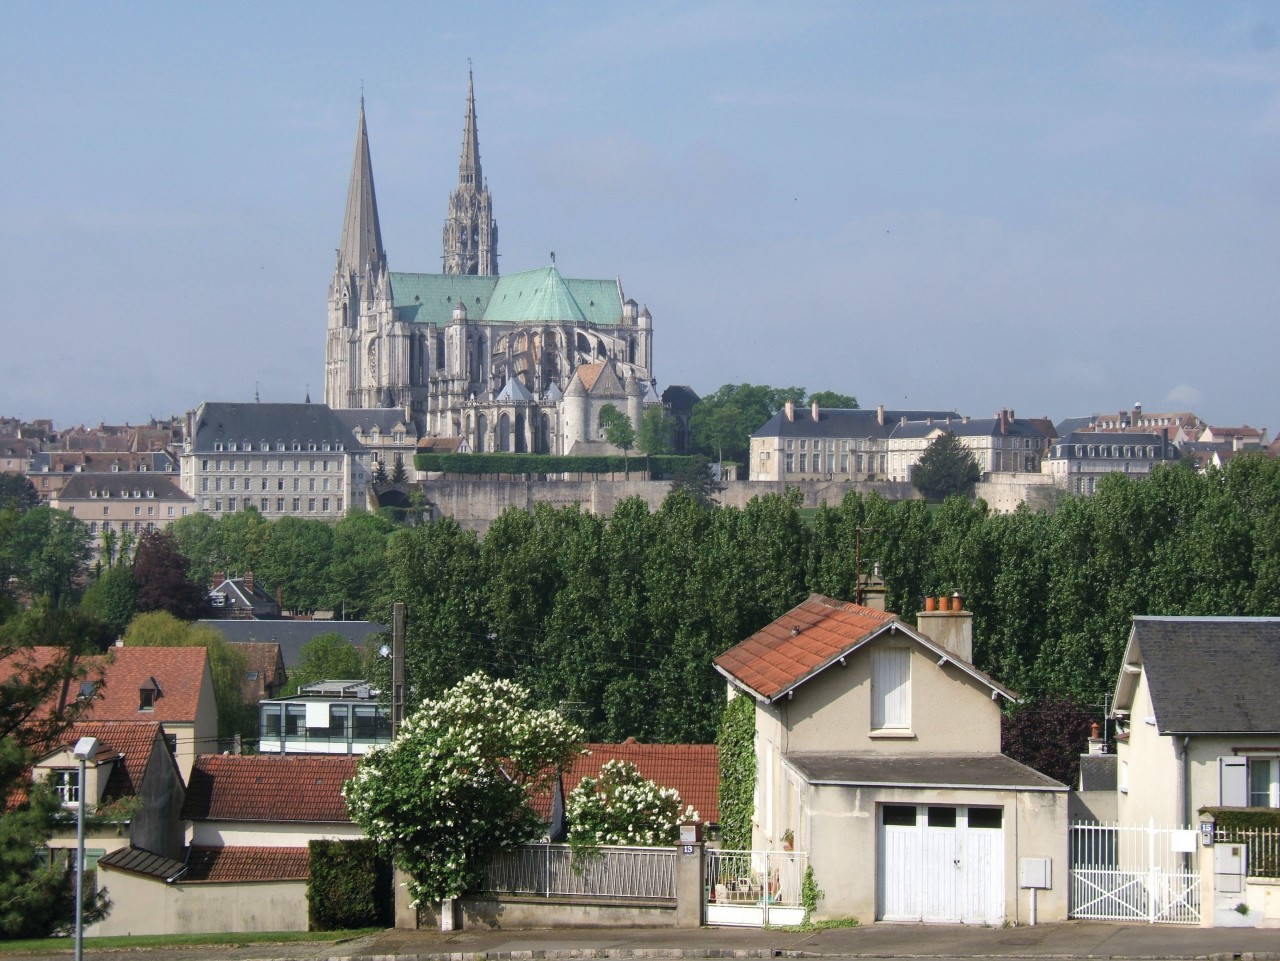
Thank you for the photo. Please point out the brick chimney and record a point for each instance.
(218, 578)
(248, 582)
(814, 410)
(791, 410)
(1097, 743)
(951, 627)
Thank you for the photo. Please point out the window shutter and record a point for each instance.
(1233, 782)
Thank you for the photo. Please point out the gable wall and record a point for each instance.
(1148, 766)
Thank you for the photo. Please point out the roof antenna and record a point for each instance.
(553, 258)
(256, 399)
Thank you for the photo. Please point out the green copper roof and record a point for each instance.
(530, 297)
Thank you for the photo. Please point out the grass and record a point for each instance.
(810, 926)
(230, 939)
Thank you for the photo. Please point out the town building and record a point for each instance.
(297, 460)
(1079, 460)
(467, 353)
(125, 505)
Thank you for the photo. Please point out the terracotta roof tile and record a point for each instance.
(692, 769)
(206, 864)
(269, 787)
(134, 741)
(801, 642)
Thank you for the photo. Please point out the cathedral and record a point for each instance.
(522, 362)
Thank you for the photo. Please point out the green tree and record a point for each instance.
(724, 421)
(379, 472)
(327, 657)
(295, 561)
(692, 475)
(398, 472)
(199, 537)
(829, 398)
(112, 598)
(619, 432)
(657, 433)
(356, 579)
(454, 786)
(946, 467)
(243, 537)
(227, 663)
(18, 491)
(46, 550)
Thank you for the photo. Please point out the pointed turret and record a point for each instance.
(361, 235)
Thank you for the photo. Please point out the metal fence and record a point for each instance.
(549, 870)
(1125, 873)
(756, 877)
(1263, 845)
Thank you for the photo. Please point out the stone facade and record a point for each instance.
(466, 353)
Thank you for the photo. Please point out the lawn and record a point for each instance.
(44, 945)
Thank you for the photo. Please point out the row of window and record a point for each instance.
(265, 484)
(265, 504)
(861, 463)
(219, 446)
(341, 722)
(1103, 450)
(107, 493)
(264, 465)
(138, 526)
(803, 443)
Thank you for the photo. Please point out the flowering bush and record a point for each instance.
(621, 807)
(453, 786)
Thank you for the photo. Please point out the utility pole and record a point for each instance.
(397, 667)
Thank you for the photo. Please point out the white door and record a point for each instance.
(941, 863)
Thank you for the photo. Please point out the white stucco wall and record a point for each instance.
(148, 906)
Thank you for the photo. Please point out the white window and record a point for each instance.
(890, 688)
(67, 784)
(1264, 785)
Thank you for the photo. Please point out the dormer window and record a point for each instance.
(147, 695)
(67, 784)
(231, 445)
(217, 446)
(93, 494)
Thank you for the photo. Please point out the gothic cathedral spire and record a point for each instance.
(361, 235)
(470, 233)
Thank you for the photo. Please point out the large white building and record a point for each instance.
(296, 460)
(467, 353)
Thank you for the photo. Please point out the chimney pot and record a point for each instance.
(957, 602)
(248, 581)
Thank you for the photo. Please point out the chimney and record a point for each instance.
(248, 582)
(880, 415)
(815, 411)
(218, 578)
(280, 599)
(951, 627)
(964, 419)
(1237, 441)
(1137, 414)
(791, 410)
(1097, 743)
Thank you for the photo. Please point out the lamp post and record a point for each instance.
(85, 748)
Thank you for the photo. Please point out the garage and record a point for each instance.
(941, 863)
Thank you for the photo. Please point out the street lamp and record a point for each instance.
(85, 748)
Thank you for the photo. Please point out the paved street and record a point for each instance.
(1072, 939)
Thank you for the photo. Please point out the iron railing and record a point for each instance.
(1263, 845)
(549, 870)
(753, 877)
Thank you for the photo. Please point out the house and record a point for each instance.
(265, 677)
(241, 597)
(878, 749)
(1078, 460)
(390, 435)
(329, 717)
(133, 793)
(1003, 444)
(293, 635)
(122, 502)
(251, 818)
(1198, 717)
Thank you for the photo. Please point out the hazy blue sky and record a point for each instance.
(1062, 208)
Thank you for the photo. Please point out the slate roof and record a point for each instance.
(273, 424)
(531, 296)
(1207, 675)
(227, 864)
(839, 422)
(692, 769)
(122, 485)
(137, 861)
(269, 787)
(974, 427)
(514, 392)
(292, 635)
(812, 636)
(364, 419)
(1098, 772)
(990, 771)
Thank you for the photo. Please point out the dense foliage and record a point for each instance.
(1049, 735)
(160, 576)
(946, 467)
(724, 421)
(737, 751)
(620, 618)
(349, 886)
(622, 807)
(326, 657)
(454, 785)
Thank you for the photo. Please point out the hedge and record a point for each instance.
(658, 465)
(349, 886)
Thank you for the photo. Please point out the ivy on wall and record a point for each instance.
(349, 886)
(736, 739)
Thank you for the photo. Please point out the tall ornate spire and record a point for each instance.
(361, 234)
(469, 173)
(470, 233)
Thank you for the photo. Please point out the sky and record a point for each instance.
(1060, 208)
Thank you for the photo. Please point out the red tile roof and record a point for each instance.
(178, 671)
(134, 741)
(692, 769)
(799, 644)
(246, 864)
(269, 787)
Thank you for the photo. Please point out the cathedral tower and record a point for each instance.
(470, 233)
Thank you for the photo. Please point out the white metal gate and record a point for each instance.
(1128, 873)
(755, 888)
(941, 863)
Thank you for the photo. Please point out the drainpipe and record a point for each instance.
(1184, 782)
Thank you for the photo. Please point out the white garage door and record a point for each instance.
(941, 863)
